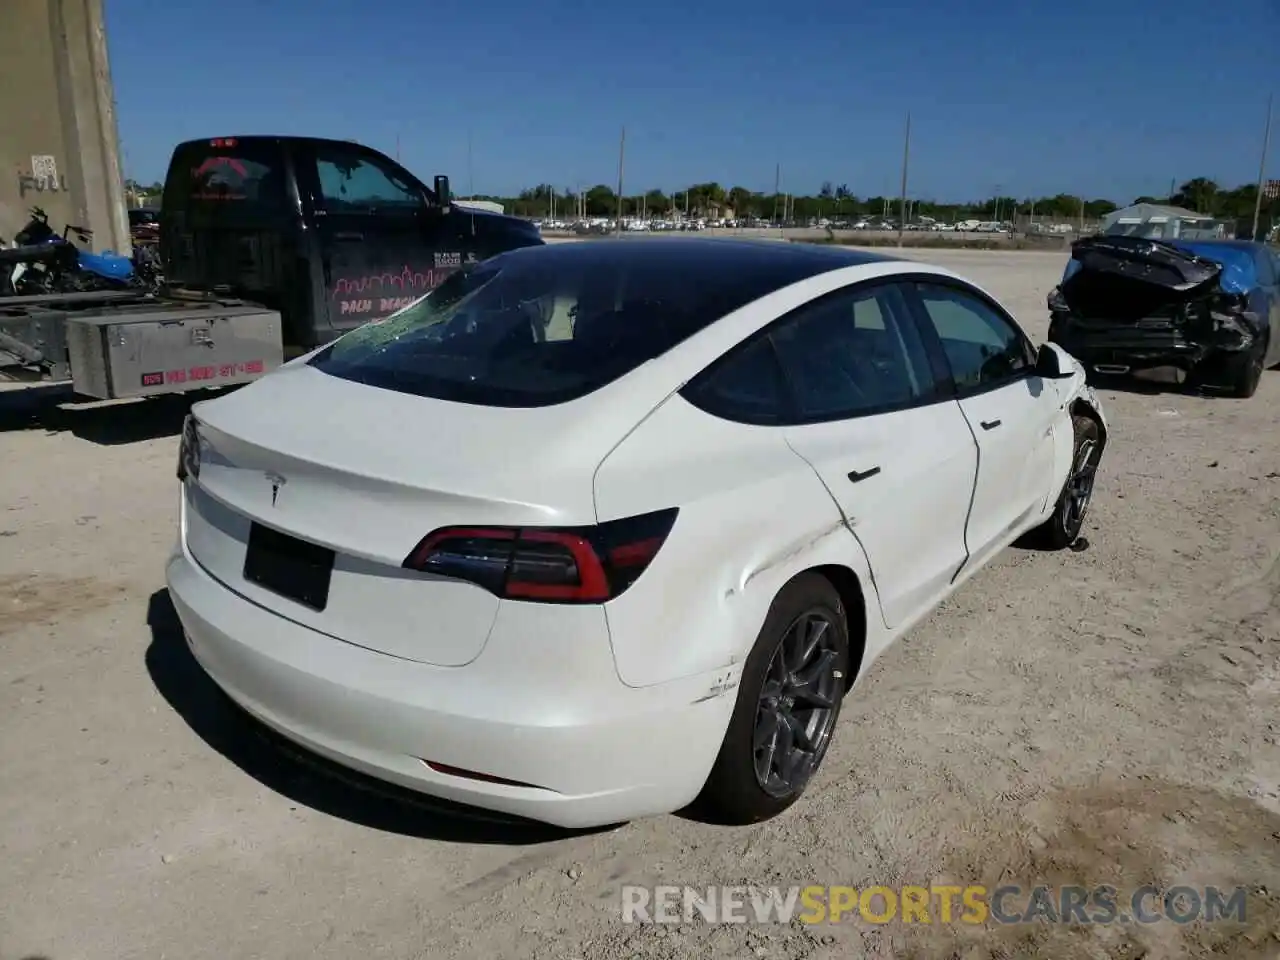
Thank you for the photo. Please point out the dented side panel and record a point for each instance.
(752, 516)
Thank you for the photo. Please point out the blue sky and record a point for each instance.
(1110, 98)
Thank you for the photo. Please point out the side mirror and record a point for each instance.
(1052, 365)
(443, 197)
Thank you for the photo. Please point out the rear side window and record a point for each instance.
(745, 386)
(536, 327)
(852, 354)
(229, 172)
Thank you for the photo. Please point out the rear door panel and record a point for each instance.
(897, 457)
(903, 481)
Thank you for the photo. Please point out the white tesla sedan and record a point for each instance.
(597, 530)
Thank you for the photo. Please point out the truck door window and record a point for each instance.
(351, 182)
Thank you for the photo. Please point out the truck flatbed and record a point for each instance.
(55, 300)
(118, 344)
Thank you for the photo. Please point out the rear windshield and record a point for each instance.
(542, 326)
(225, 172)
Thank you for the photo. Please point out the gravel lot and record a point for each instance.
(1105, 716)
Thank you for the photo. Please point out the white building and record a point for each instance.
(1159, 222)
(487, 205)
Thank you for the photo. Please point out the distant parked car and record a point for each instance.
(144, 224)
(1209, 307)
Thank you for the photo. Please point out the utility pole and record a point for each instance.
(622, 152)
(1262, 170)
(902, 197)
(777, 186)
(471, 179)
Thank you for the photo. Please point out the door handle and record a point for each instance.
(858, 477)
(990, 424)
(348, 236)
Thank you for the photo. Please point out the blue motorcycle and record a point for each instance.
(42, 261)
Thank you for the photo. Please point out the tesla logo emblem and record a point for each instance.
(276, 482)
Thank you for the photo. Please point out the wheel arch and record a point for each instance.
(854, 601)
(1081, 407)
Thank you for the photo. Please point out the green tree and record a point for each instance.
(656, 203)
(743, 201)
(601, 201)
(1199, 194)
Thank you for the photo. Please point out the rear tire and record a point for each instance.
(1244, 371)
(788, 703)
(1067, 520)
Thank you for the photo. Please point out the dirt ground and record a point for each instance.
(1104, 716)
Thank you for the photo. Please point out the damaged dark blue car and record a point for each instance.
(1208, 307)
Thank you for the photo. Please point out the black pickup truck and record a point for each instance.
(271, 246)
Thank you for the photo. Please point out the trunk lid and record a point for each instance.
(1133, 280)
(366, 473)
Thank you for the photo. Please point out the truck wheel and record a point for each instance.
(787, 706)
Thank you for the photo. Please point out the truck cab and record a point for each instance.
(329, 233)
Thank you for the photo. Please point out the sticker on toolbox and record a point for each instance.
(222, 371)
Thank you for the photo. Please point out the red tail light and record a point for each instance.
(546, 564)
(189, 450)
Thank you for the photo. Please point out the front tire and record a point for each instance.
(788, 703)
(1067, 520)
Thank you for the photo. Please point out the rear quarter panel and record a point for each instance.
(752, 515)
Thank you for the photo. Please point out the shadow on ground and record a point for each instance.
(304, 778)
(57, 409)
(1149, 385)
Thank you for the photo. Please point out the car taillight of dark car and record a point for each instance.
(591, 564)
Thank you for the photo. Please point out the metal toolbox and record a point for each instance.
(171, 348)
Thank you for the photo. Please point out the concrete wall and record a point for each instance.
(59, 148)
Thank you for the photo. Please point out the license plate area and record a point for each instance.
(288, 566)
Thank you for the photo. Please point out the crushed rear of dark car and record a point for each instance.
(1129, 304)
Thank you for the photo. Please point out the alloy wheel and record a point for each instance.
(1079, 489)
(797, 705)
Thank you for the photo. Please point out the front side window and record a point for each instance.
(852, 354)
(982, 347)
(352, 182)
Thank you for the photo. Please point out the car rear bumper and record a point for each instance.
(542, 708)
(1127, 349)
